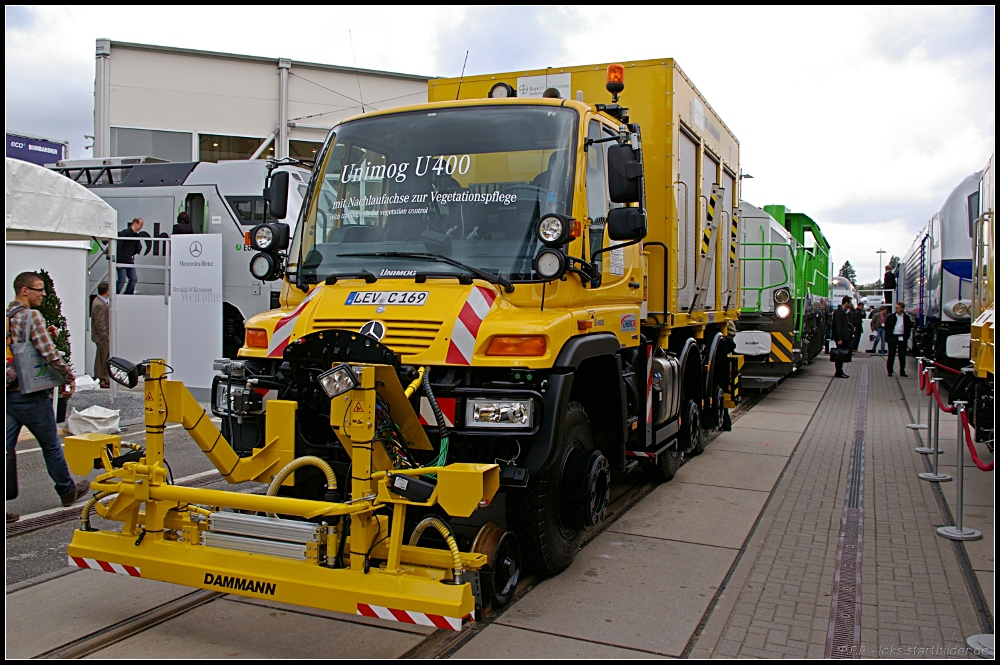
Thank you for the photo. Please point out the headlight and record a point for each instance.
(265, 267)
(338, 381)
(550, 263)
(124, 372)
(236, 399)
(497, 413)
(269, 237)
(263, 238)
(782, 311)
(553, 230)
(961, 309)
(781, 296)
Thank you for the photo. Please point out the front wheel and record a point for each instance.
(539, 513)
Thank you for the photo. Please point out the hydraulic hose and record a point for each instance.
(412, 388)
(449, 537)
(442, 457)
(298, 463)
(87, 507)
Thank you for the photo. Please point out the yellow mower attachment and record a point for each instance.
(347, 556)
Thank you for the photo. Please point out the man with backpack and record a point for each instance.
(34, 409)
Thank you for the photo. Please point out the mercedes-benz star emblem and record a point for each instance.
(195, 249)
(373, 329)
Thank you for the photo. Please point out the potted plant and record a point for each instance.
(51, 311)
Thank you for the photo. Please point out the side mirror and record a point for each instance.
(276, 194)
(626, 224)
(624, 172)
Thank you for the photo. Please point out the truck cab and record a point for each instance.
(497, 249)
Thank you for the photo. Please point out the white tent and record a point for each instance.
(43, 205)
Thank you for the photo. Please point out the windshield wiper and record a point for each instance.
(421, 256)
(364, 274)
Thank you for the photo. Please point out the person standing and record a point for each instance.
(898, 327)
(889, 284)
(857, 325)
(34, 410)
(183, 225)
(100, 333)
(878, 327)
(127, 249)
(842, 333)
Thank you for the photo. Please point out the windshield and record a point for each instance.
(467, 184)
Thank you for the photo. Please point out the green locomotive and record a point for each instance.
(786, 307)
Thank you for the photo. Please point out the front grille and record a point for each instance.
(404, 336)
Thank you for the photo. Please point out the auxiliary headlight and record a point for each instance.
(781, 296)
(502, 90)
(265, 267)
(960, 309)
(263, 238)
(124, 372)
(497, 413)
(554, 230)
(782, 311)
(338, 381)
(550, 263)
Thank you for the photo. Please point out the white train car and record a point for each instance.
(935, 278)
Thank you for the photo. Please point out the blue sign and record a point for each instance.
(36, 151)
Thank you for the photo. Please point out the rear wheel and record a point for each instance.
(666, 465)
(692, 435)
(541, 515)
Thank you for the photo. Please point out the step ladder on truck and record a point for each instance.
(552, 279)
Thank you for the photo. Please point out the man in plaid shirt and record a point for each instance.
(34, 410)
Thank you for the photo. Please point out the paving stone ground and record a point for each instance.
(777, 602)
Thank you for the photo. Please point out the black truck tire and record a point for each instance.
(534, 513)
(692, 435)
(666, 466)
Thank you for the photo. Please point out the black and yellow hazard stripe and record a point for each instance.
(707, 235)
(732, 398)
(732, 241)
(782, 347)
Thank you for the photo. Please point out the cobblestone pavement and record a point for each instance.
(913, 594)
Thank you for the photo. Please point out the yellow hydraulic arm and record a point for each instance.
(183, 535)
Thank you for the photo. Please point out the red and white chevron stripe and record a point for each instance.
(447, 405)
(106, 566)
(402, 616)
(283, 331)
(637, 453)
(463, 335)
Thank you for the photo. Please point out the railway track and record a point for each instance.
(438, 644)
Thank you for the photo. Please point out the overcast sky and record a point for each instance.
(865, 119)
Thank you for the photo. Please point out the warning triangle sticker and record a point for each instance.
(149, 396)
(358, 408)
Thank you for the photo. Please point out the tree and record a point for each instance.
(51, 311)
(847, 270)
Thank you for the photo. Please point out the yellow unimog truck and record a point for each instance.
(547, 260)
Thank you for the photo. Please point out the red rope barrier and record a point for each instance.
(946, 368)
(972, 448)
(921, 375)
(927, 382)
(941, 405)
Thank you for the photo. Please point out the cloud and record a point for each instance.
(506, 39)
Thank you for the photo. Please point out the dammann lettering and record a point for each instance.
(240, 584)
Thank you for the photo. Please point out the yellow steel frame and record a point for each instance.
(161, 532)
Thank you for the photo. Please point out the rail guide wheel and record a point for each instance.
(503, 556)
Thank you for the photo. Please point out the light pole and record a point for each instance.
(880, 253)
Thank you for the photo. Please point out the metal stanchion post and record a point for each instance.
(918, 424)
(959, 532)
(934, 476)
